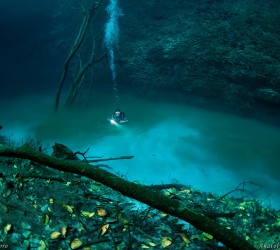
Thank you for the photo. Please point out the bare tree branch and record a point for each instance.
(112, 159)
(75, 47)
(243, 184)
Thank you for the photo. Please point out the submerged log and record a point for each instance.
(61, 151)
(138, 192)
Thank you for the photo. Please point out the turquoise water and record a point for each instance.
(170, 142)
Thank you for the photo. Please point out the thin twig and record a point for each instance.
(241, 189)
(112, 159)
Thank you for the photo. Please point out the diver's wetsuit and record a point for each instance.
(120, 117)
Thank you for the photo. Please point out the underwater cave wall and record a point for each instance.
(227, 51)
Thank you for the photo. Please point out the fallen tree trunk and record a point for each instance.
(138, 192)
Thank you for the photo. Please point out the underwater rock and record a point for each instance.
(269, 95)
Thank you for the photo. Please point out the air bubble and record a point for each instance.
(112, 37)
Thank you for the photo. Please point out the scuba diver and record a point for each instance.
(119, 117)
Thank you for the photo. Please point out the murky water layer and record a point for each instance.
(170, 143)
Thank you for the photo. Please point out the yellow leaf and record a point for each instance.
(187, 191)
(51, 200)
(46, 220)
(42, 245)
(151, 244)
(64, 230)
(87, 214)
(55, 235)
(7, 228)
(101, 212)
(163, 214)
(166, 241)
(206, 236)
(144, 246)
(68, 209)
(104, 228)
(76, 243)
(185, 238)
